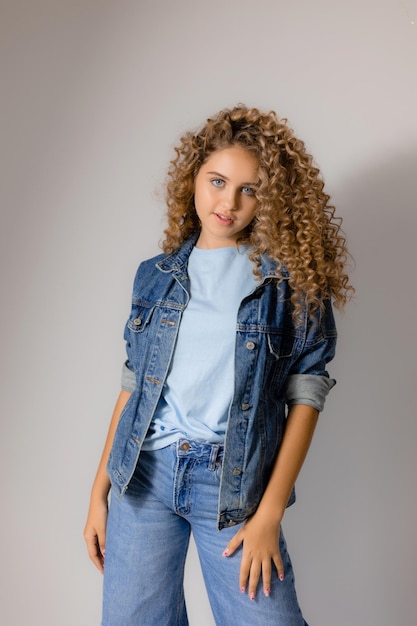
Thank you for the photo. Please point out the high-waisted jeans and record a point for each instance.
(174, 491)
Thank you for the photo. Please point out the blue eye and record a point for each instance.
(248, 191)
(217, 182)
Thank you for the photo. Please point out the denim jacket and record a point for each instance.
(277, 364)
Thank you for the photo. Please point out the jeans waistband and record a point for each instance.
(213, 452)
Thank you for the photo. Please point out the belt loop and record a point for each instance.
(214, 453)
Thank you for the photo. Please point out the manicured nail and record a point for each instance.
(226, 552)
(252, 595)
(103, 552)
(281, 577)
(242, 589)
(266, 592)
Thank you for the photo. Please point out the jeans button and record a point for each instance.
(250, 345)
(185, 446)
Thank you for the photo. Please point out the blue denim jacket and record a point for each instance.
(276, 364)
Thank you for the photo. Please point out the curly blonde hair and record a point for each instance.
(294, 224)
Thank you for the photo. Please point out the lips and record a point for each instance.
(225, 219)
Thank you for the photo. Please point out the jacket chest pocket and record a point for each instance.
(150, 334)
(140, 318)
(281, 346)
(282, 351)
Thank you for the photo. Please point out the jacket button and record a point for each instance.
(137, 321)
(250, 345)
(236, 471)
(245, 406)
(185, 446)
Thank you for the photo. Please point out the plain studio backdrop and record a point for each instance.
(94, 96)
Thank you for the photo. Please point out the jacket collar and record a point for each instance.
(269, 268)
(177, 260)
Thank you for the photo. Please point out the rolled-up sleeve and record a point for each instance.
(308, 389)
(128, 378)
(308, 381)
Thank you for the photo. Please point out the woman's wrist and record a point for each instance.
(270, 510)
(100, 491)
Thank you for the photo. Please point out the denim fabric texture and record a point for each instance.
(276, 362)
(173, 492)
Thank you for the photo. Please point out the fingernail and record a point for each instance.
(103, 552)
(226, 552)
(281, 577)
(252, 595)
(242, 589)
(266, 592)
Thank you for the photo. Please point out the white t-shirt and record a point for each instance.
(198, 390)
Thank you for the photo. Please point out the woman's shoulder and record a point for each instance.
(175, 259)
(148, 276)
(271, 268)
(152, 261)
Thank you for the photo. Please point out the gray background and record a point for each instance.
(94, 96)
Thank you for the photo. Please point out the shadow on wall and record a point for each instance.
(378, 364)
(381, 219)
(378, 371)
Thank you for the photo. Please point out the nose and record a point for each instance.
(230, 201)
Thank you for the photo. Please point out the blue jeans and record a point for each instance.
(174, 491)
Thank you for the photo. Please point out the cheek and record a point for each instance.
(200, 202)
(252, 210)
(202, 198)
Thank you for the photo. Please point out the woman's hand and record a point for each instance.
(260, 534)
(95, 528)
(95, 531)
(261, 557)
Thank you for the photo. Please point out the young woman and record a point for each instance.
(227, 343)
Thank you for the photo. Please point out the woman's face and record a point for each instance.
(224, 196)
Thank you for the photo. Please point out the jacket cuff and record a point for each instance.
(128, 378)
(308, 389)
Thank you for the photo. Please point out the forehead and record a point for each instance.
(234, 160)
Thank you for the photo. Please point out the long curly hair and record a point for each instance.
(294, 224)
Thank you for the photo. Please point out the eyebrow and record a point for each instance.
(225, 178)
